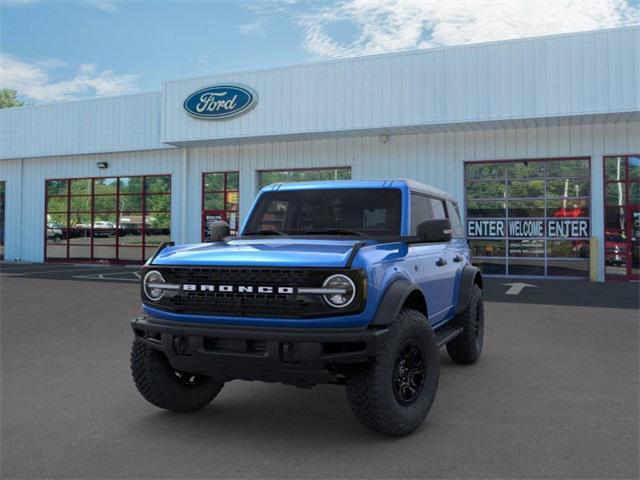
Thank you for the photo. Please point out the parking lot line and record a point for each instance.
(27, 272)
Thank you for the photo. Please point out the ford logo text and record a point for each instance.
(220, 102)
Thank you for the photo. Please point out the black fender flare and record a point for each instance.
(470, 275)
(393, 299)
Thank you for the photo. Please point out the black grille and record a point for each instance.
(251, 304)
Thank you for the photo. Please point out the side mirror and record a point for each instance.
(217, 231)
(436, 231)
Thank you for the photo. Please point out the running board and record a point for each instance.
(447, 333)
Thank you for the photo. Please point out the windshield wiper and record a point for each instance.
(265, 232)
(334, 231)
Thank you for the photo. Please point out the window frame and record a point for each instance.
(545, 198)
(91, 212)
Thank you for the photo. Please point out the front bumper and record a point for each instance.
(294, 356)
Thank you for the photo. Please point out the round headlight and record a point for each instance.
(345, 291)
(150, 285)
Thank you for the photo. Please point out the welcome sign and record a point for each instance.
(220, 102)
(528, 228)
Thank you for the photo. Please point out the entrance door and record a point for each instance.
(622, 217)
(220, 192)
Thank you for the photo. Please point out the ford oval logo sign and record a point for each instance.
(220, 101)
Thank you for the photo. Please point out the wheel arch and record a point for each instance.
(470, 276)
(400, 294)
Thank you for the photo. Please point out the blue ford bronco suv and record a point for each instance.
(356, 283)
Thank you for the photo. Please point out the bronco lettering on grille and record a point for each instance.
(192, 287)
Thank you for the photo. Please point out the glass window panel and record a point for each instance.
(568, 248)
(232, 220)
(454, 218)
(104, 252)
(130, 253)
(130, 185)
(105, 186)
(614, 219)
(158, 203)
(130, 203)
(487, 248)
(57, 220)
(568, 188)
(81, 204)
(486, 171)
(130, 237)
(56, 235)
(275, 176)
(158, 221)
(104, 203)
(214, 201)
(491, 266)
(615, 194)
(213, 182)
(56, 250)
(158, 184)
(525, 169)
(519, 266)
(614, 168)
(158, 228)
(486, 209)
(232, 200)
(526, 248)
(566, 268)
(526, 208)
(104, 220)
(485, 190)
(104, 237)
(525, 188)
(57, 204)
(233, 181)
(570, 208)
(634, 193)
(80, 220)
(634, 168)
(568, 168)
(420, 211)
(81, 186)
(437, 209)
(56, 187)
(80, 251)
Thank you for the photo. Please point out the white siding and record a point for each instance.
(115, 124)
(434, 158)
(592, 73)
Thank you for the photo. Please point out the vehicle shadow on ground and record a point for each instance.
(264, 412)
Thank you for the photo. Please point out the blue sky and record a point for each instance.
(63, 50)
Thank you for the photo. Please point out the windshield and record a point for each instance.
(366, 211)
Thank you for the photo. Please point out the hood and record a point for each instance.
(261, 252)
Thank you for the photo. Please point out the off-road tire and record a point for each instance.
(467, 347)
(160, 384)
(371, 389)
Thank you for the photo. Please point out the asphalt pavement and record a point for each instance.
(555, 395)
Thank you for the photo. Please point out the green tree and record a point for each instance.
(8, 98)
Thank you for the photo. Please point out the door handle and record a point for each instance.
(441, 262)
(457, 258)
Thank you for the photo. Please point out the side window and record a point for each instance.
(437, 207)
(420, 211)
(454, 218)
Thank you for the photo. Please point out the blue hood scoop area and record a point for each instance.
(280, 252)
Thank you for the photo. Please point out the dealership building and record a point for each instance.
(537, 138)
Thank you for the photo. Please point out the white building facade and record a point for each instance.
(538, 139)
